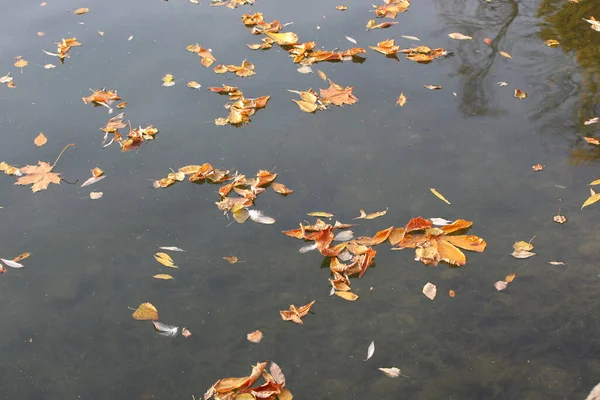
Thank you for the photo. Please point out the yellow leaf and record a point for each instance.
(193, 85)
(346, 295)
(322, 75)
(81, 11)
(596, 182)
(401, 100)
(439, 196)
(505, 54)
(341, 8)
(21, 257)
(165, 260)
(230, 259)
(519, 94)
(459, 36)
(594, 197)
(552, 43)
(146, 312)
(21, 63)
(320, 214)
(287, 38)
(163, 276)
(40, 140)
(510, 278)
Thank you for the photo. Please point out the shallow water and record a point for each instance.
(67, 330)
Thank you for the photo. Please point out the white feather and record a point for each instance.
(259, 217)
(308, 248)
(165, 329)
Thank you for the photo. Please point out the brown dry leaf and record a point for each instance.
(436, 244)
(522, 250)
(561, 219)
(295, 314)
(283, 39)
(552, 43)
(424, 54)
(430, 290)
(505, 54)
(374, 215)
(488, 41)
(40, 140)
(21, 257)
(591, 140)
(510, 278)
(337, 95)
(595, 24)
(146, 312)
(519, 94)
(537, 167)
(392, 372)
(122, 105)
(346, 295)
(103, 98)
(21, 63)
(165, 260)
(459, 36)
(341, 8)
(387, 47)
(373, 25)
(594, 197)
(401, 101)
(230, 259)
(255, 337)
(391, 8)
(39, 176)
(63, 47)
(322, 75)
(163, 276)
(440, 196)
(81, 11)
(281, 188)
(451, 293)
(205, 54)
(432, 87)
(245, 70)
(320, 214)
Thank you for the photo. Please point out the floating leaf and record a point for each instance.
(322, 75)
(432, 87)
(320, 214)
(502, 84)
(519, 94)
(341, 8)
(373, 25)
(96, 195)
(350, 39)
(510, 278)
(594, 197)
(295, 314)
(505, 54)
(410, 37)
(392, 372)
(537, 167)
(305, 69)
(38, 176)
(165, 260)
(346, 295)
(171, 248)
(374, 215)
(591, 121)
(391, 8)
(561, 219)
(440, 196)
(21, 63)
(81, 11)
(281, 189)
(230, 259)
(185, 332)
(163, 276)
(40, 140)
(488, 41)
(440, 221)
(459, 36)
(522, 250)
(21, 257)
(451, 293)
(500, 285)
(401, 101)
(595, 25)
(255, 337)
(168, 80)
(552, 42)
(556, 263)
(430, 290)
(370, 350)
(146, 312)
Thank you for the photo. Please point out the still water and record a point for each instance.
(67, 332)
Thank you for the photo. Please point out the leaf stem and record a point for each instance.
(61, 153)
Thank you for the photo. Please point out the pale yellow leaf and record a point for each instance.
(163, 276)
(439, 196)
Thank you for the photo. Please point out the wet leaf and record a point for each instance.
(41, 34)
(594, 197)
(165, 260)
(346, 295)
(502, 84)
(522, 254)
(122, 105)
(596, 182)
(440, 196)
(96, 195)
(537, 167)
(163, 276)
(387, 47)
(392, 372)
(430, 290)
(591, 140)
(401, 101)
(552, 43)
(374, 215)
(21, 257)
(11, 263)
(165, 329)
(523, 246)
(595, 25)
(440, 221)
(459, 36)
(424, 54)
(81, 11)
(93, 179)
(205, 54)
(283, 39)
(591, 121)
(373, 25)
(255, 337)
(21, 63)
(230, 259)
(500, 285)
(505, 54)
(519, 94)
(561, 219)
(370, 351)
(337, 95)
(168, 80)
(320, 214)
(295, 314)
(146, 312)
(40, 140)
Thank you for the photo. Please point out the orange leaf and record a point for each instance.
(40, 140)
(374, 215)
(255, 337)
(510, 278)
(450, 253)
(81, 11)
(417, 224)
(457, 225)
(145, 312)
(467, 242)
(346, 295)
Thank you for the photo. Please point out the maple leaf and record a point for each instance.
(391, 7)
(295, 314)
(335, 94)
(39, 176)
(435, 244)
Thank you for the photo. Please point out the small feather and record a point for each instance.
(165, 329)
(11, 263)
(259, 217)
(308, 248)
(351, 39)
(171, 248)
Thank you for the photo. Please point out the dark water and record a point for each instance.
(67, 332)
